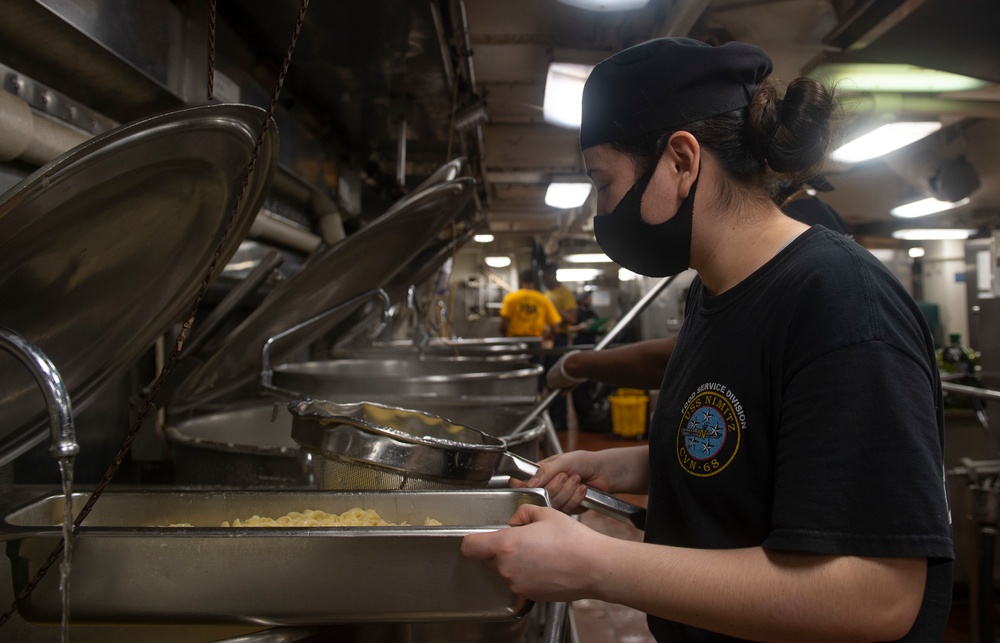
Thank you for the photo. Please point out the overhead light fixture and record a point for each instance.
(607, 5)
(571, 275)
(932, 234)
(883, 140)
(624, 274)
(483, 238)
(564, 93)
(916, 252)
(923, 207)
(567, 195)
(497, 262)
(879, 77)
(588, 257)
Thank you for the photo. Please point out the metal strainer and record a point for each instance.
(365, 445)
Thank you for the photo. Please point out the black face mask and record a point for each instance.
(654, 250)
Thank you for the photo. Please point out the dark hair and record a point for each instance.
(772, 141)
(528, 277)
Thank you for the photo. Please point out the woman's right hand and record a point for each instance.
(566, 476)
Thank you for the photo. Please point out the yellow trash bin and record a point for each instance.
(629, 412)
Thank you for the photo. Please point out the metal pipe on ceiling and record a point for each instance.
(36, 139)
(269, 227)
(31, 137)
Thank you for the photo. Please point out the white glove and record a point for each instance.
(558, 378)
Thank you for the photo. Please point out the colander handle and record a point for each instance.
(515, 466)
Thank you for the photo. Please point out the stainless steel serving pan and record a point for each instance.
(127, 569)
(371, 438)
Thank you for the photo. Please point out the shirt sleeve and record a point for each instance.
(505, 307)
(858, 465)
(552, 316)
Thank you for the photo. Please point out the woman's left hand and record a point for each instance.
(545, 556)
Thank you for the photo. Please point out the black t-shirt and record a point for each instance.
(801, 411)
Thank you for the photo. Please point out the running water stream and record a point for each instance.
(66, 468)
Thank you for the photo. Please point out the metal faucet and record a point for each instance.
(62, 435)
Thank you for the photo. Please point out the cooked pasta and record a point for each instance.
(356, 517)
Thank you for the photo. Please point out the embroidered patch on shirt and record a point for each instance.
(710, 430)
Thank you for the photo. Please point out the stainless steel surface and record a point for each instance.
(411, 442)
(626, 319)
(267, 373)
(387, 443)
(252, 447)
(450, 171)
(462, 346)
(62, 438)
(127, 569)
(233, 299)
(973, 391)
(105, 247)
(345, 380)
(422, 267)
(241, 448)
(362, 261)
(510, 356)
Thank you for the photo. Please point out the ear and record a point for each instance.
(684, 152)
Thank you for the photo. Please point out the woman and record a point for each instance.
(794, 467)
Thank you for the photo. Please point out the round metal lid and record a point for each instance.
(105, 247)
(365, 260)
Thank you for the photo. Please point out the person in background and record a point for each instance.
(801, 203)
(585, 336)
(795, 467)
(526, 312)
(565, 302)
(583, 332)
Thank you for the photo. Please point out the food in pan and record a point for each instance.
(355, 517)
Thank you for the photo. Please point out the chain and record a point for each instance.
(171, 360)
(211, 49)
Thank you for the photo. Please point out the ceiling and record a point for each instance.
(514, 41)
(390, 90)
(480, 65)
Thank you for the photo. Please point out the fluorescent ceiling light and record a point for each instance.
(877, 77)
(916, 252)
(483, 238)
(588, 257)
(564, 93)
(883, 140)
(607, 5)
(624, 274)
(569, 275)
(567, 195)
(931, 234)
(497, 262)
(923, 207)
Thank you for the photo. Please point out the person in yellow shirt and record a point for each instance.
(526, 312)
(564, 300)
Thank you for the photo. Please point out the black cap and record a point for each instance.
(665, 83)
